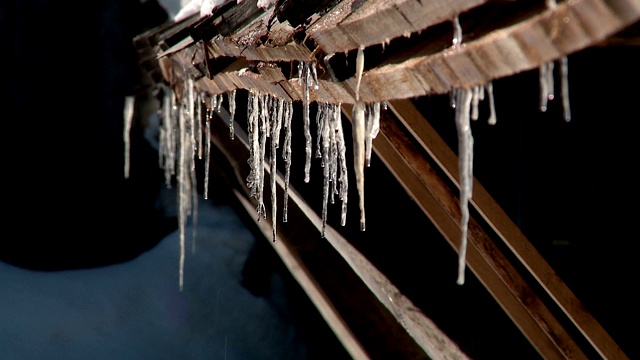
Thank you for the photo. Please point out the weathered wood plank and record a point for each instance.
(347, 27)
(508, 231)
(571, 27)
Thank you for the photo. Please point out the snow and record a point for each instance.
(135, 310)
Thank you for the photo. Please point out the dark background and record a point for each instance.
(68, 67)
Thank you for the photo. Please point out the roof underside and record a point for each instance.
(410, 61)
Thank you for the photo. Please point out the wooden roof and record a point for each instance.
(408, 55)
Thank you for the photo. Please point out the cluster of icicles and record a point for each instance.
(267, 116)
(182, 141)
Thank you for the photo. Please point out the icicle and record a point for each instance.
(333, 151)
(192, 104)
(169, 135)
(207, 156)
(328, 67)
(546, 85)
(314, 76)
(183, 185)
(305, 116)
(373, 126)
(564, 73)
(326, 171)
(342, 160)
(286, 156)
(492, 108)
(164, 113)
(358, 135)
(275, 143)
(253, 108)
(457, 33)
(475, 100)
(128, 120)
(319, 128)
(197, 130)
(359, 70)
(219, 105)
(232, 111)
(264, 118)
(358, 154)
(465, 169)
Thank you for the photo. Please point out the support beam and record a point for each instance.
(509, 232)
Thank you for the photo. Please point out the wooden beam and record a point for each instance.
(486, 261)
(348, 27)
(509, 232)
(412, 335)
(570, 27)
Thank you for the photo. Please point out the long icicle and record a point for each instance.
(208, 116)
(358, 155)
(465, 169)
(286, 156)
(564, 83)
(232, 113)
(184, 195)
(342, 160)
(359, 137)
(276, 124)
(128, 119)
(305, 76)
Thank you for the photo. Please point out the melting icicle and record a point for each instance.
(253, 110)
(326, 168)
(232, 111)
(197, 130)
(546, 85)
(342, 160)
(359, 70)
(465, 169)
(333, 152)
(358, 154)
(264, 133)
(286, 156)
(457, 33)
(276, 125)
(128, 119)
(359, 136)
(170, 126)
(306, 75)
(319, 128)
(314, 75)
(219, 105)
(564, 74)
(475, 101)
(166, 147)
(207, 155)
(492, 108)
(327, 66)
(184, 195)
(373, 126)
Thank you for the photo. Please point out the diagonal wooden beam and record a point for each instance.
(509, 232)
(493, 270)
(380, 304)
